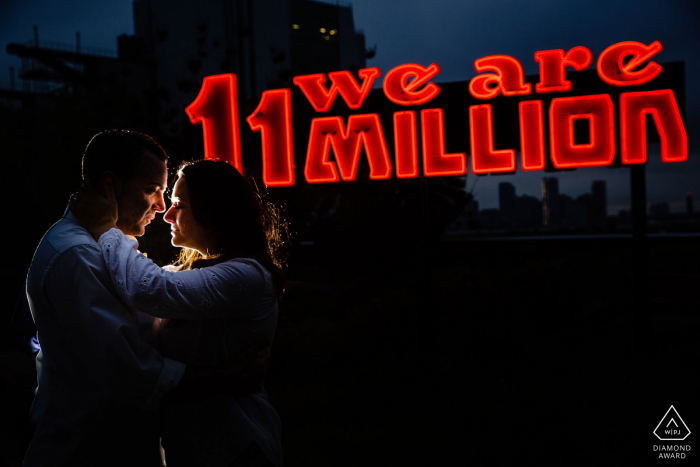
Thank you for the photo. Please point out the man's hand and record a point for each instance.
(93, 211)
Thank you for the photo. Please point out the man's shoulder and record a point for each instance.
(66, 234)
(63, 237)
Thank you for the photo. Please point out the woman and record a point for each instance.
(209, 308)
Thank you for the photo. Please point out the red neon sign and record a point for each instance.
(484, 158)
(613, 69)
(553, 65)
(531, 135)
(507, 80)
(329, 132)
(435, 162)
(342, 82)
(216, 106)
(399, 90)
(405, 144)
(273, 118)
(662, 107)
(622, 64)
(598, 110)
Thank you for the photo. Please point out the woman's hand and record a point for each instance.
(93, 211)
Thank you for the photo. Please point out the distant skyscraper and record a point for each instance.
(506, 201)
(550, 201)
(689, 203)
(599, 205)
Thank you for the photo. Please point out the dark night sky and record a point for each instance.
(453, 33)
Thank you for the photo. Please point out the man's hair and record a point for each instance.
(119, 151)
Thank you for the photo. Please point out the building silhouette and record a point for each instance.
(507, 201)
(264, 42)
(550, 201)
(599, 203)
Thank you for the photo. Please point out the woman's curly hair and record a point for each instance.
(234, 209)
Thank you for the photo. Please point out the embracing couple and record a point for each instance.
(131, 352)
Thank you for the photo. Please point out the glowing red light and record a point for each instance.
(663, 108)
(342, 82)
(553, 65)
(435, 162)
(598, 110)
(484, 158)
(362, 130)
(400, 91)
(531, 135)
(273, 118)
(507, 80)
(405, 144)
(216, 106)
(614, 70)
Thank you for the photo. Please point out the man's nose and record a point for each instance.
(160, 204)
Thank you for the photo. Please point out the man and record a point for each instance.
(98, 382)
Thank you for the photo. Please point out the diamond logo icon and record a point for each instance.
(672, 427)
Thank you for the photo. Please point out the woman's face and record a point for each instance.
(185, 230)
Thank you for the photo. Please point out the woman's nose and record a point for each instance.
(169, 217)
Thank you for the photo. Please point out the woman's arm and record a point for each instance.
(218, 291)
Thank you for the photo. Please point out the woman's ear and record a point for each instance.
(116, 183)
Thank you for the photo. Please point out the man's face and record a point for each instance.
(141, 197)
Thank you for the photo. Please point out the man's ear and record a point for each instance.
(116, 183)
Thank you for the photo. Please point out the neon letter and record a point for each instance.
(216, 106)
(598, 110)
(400, 91)
(507, 80)
(553, 64)
(329, 131)
(531, 135)
(662, 106)
(273, 118)
(405, 144)
(484, 158)
(342, 81)
(435, 162)
(613, 70)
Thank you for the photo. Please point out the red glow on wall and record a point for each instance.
(531, 135)
(662, 106)
(216, 106)
(614, 68)
(553, 65)
(484, 158)
(405, 144)
(273, 118)
(399, 90)
(435, 162)
(598, 109)
(362, 131)
(507, 78)
(342, 82)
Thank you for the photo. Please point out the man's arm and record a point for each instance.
(103, 333)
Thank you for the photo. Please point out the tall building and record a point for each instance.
(599, 202)
(264, 42)
(550, 201)
(507, 201)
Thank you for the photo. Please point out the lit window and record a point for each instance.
(295, 26)
(333, 31)
(327, 37)
(323, 30)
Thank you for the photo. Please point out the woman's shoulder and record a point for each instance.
(245, 272)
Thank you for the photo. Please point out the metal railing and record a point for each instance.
(53, 45)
